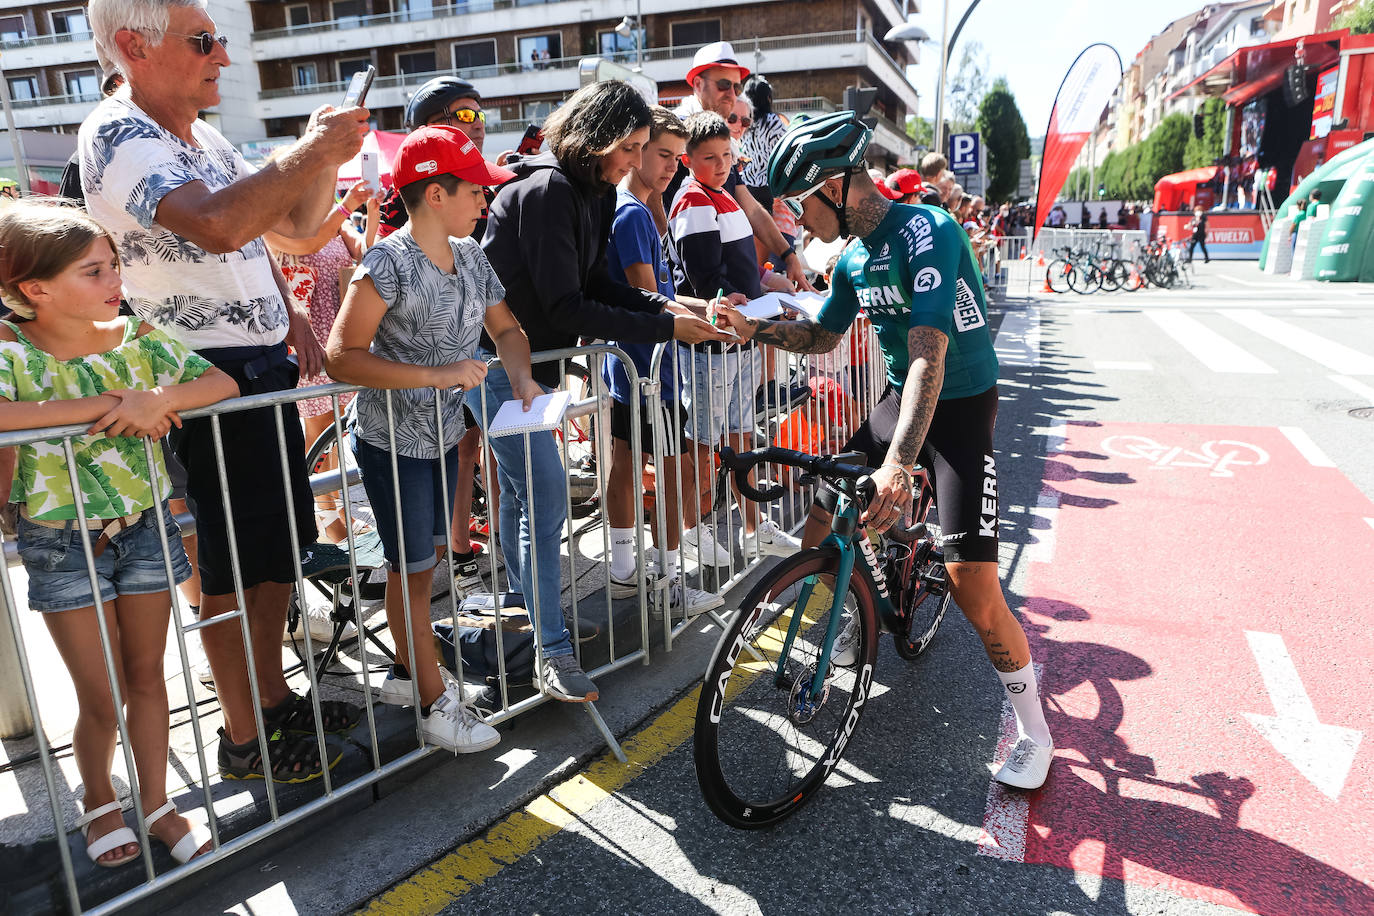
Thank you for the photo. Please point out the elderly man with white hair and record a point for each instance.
(188, 214)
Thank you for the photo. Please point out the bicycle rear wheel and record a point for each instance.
(924, 599)
(1060, 275)
(763, 743)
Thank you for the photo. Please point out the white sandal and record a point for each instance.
(186, 847)
(120, 836)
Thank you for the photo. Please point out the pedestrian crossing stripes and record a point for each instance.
(1213, 350)
(1359, 388)
(1335, 356)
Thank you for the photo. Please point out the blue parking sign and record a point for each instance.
(964, 153)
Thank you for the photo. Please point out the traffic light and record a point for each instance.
(859, 99)
(1295, 89)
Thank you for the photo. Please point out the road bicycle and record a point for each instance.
(783, 694)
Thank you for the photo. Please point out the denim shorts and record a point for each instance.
(719, 392)
(130, 564)
(423, 522)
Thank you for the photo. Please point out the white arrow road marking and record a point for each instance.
(1322, 753)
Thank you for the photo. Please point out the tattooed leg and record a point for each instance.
(978, 592)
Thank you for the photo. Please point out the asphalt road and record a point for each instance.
(1188, 535)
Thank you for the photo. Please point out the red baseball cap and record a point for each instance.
(438, 149)
(906, 181)
(887, 192)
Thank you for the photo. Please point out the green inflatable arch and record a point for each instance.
(1329, 178)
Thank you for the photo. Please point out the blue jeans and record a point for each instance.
(538, 515)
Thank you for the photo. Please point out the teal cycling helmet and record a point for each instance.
(815, 150)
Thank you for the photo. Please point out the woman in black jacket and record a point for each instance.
(546, 237)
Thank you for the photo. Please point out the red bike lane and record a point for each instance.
(1201, 600)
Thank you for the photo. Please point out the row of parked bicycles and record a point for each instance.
(1103, 268)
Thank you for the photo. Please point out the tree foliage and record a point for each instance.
(1360, 20)
(1131, 173)
(921, 131)
(1205, 151)
(1005, 139)
(966, 88)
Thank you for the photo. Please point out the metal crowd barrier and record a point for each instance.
(37, 774)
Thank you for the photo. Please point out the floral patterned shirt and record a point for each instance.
(205, 300)
(113, 473)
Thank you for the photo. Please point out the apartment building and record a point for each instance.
(523, 55)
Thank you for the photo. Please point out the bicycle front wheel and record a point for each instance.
(1059, 276)
(765, 741)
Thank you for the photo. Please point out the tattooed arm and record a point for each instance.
(924, 378)
(798, 336)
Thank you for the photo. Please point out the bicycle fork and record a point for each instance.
(832, 630)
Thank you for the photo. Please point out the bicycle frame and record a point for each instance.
(845, 532)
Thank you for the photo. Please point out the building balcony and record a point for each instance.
(784, 54)
(48, 51)
(53, 110)
(455, 21)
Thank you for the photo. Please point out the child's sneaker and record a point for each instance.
(396, 690)
(565, 680)
(769, 540)
(467, 575)
(456, 727)
(628, 588)
(700, 544)
(682, 596)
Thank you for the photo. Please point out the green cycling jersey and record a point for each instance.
(917, 269)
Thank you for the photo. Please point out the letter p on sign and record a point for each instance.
(963, 153)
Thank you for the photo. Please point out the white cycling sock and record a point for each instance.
(674, 561)
(1024, 693)
(622, 553)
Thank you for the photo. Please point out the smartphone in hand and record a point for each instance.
(530, 143)
(358, 86)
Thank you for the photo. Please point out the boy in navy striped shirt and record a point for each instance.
(713, 252)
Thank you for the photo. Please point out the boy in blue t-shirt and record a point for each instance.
(635, 258)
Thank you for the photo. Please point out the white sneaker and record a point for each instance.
(768, 539)
(1027, 766)
(320, 624)
(682, 596)
(628, 588)
(456, 727)
(700, 544)
(845, 652)
(396, 691)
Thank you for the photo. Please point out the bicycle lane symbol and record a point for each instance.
(1218, 456)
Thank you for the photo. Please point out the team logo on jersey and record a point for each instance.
(884, 259)
(926, 279)
(967, 315)
(880, 300)
(919, 235)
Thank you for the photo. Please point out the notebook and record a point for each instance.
(772, 305)
(546, 412)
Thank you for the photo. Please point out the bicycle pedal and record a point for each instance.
(935, 578)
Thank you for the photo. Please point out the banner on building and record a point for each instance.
(1324, 103)
(1086, 89)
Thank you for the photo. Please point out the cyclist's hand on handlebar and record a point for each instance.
(690, 329)
(891, 499)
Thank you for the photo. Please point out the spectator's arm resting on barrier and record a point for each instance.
(514, 349)
(154, 411)
(924, 378)
(766, 231)
(276, 196)
(349, 359)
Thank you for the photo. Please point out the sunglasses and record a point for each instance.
(205, 41)
(736, 119)
(463, 116)
(725, 85)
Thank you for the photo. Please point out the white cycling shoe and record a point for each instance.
(1027, 766)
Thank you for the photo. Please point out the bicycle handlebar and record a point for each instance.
(833, 466)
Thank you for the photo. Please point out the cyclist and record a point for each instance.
(911, 271)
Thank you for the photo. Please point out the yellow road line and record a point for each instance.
(443, 882)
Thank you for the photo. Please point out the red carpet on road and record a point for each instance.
(1182, 558)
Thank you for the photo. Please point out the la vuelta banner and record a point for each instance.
(1086, 89)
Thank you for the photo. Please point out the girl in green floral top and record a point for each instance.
(74, 359)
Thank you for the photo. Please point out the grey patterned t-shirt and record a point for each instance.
(205, 300)
(432, 318)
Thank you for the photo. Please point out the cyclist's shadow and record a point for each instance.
(1106, 811)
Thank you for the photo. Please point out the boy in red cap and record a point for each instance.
(411, 322)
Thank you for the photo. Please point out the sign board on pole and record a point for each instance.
(1025, 182)
(598, 69)
(965, 153)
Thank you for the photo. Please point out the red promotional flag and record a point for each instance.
(1086, 89)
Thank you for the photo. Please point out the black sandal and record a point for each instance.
(296, 715)
(291, 759)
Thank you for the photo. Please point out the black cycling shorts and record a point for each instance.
(958, 454)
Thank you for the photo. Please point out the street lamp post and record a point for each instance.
(910, 31)
(628, 28)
